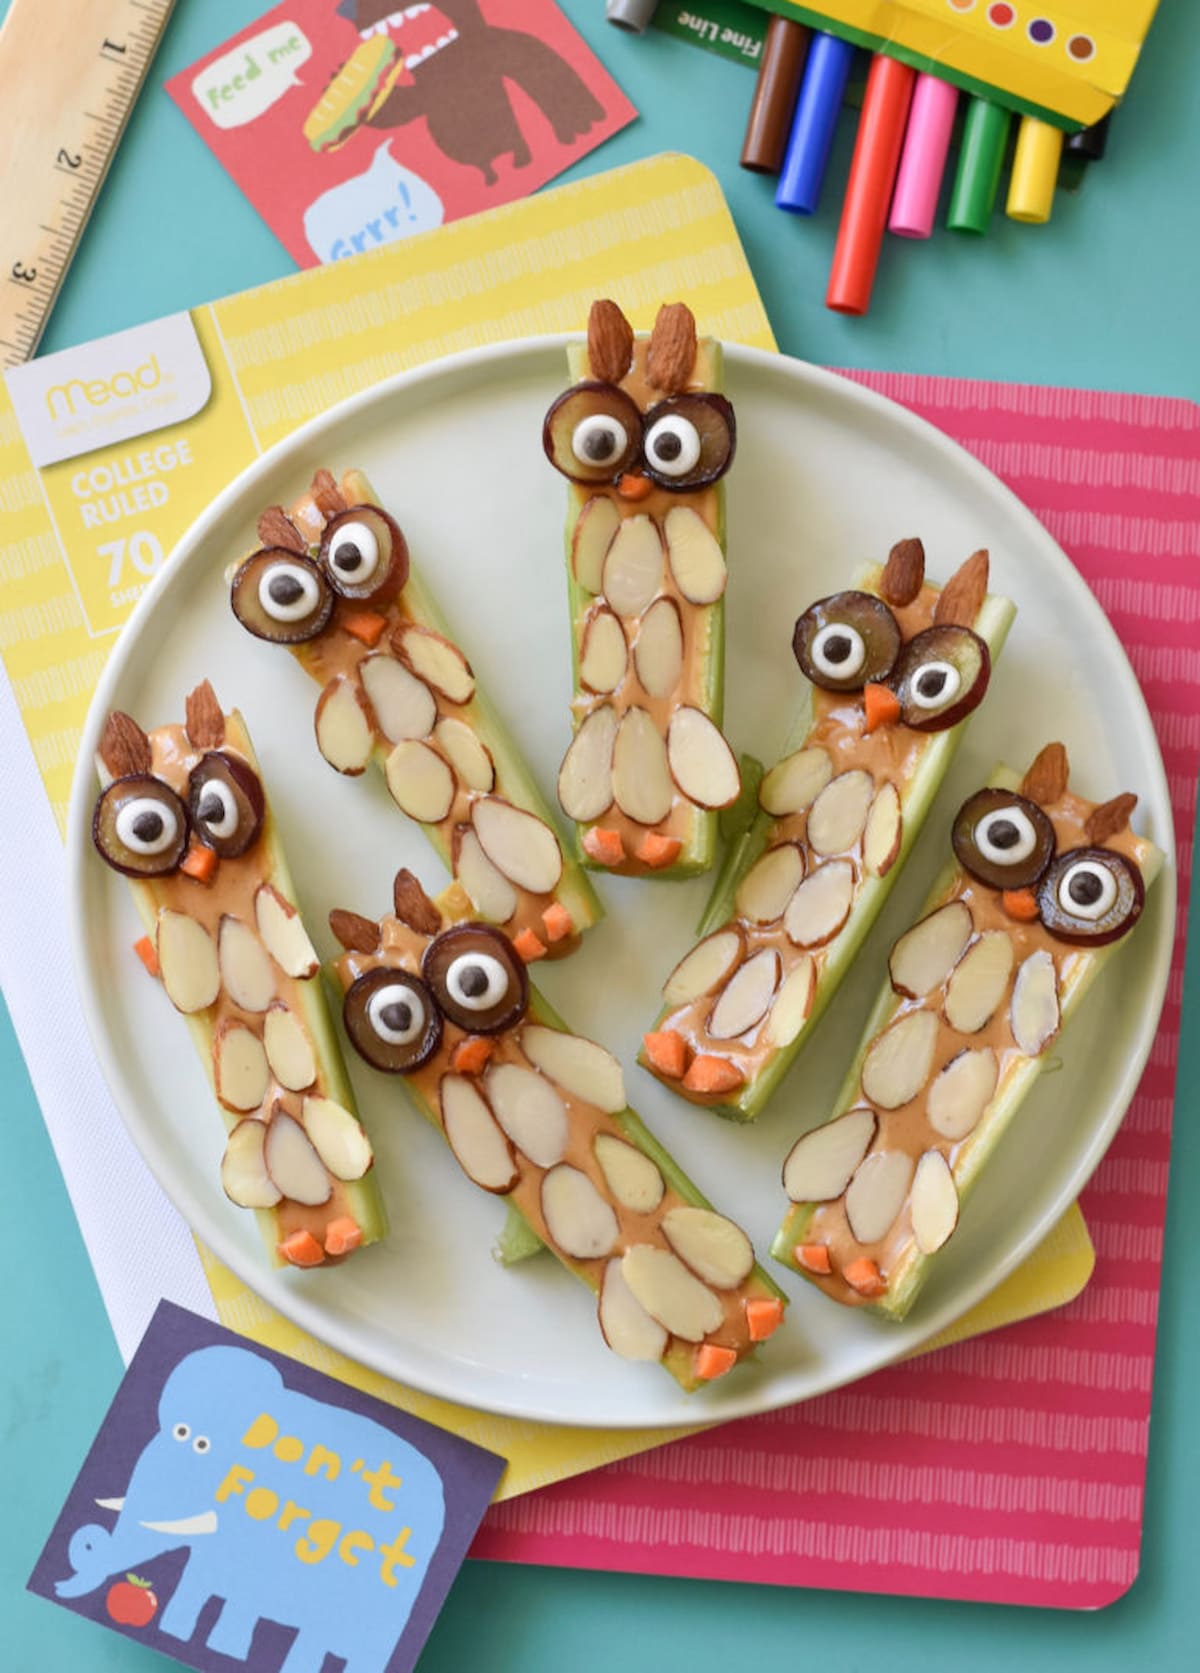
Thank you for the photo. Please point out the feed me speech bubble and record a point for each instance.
(386, 202)
(240, 85)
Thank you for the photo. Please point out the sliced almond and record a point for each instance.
(480, 1148)
(246, 973)
(747, 997)
(518, 844)
(466, 753)
(658, 649)
(283, 933)
(876, 1194)
(899, 1060)
(633, 566)
(421, 783)
(337, 1137)
(820, 1165)
(1034, 1014)
(978, 982)
(530, 1112)
(404, 705)
(630, 1175)
(187, 961)
(934, 1206)
(492, 895)
(244, 1175)
(595, 527)
(627, 1327)
(961, 1093)
(926, 954)
(883, 831)
(821, 905)
(641, 779)
(585, 779)
(289, 1050)
(704, 968)
(702, 763)
(839, 814)
(293, 1163)
(580, 1067)
(604, 656)
(576, 1215)
(344, 726)
(240, 1072)
(795, 782)
(713, 1248)
(770, 883)
(793, 1002)
(435, 660)
(670, 1293)
(695, 555)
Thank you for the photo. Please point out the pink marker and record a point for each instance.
(923, 162)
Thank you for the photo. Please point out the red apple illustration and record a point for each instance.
(130, 1602)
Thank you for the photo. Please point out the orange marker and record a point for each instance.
(872, 178)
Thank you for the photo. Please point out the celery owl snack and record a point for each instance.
(539, 1117)
(644, 438)
(332, 582)
(1045, 888)
(183, 814)
(895, 667)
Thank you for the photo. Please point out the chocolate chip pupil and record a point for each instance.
(148, 827)
(212, 808)
(474, 981)
(837, 647)
(347, 557)
(931, 683)
(668, 446)
(397, 1016)
(599, 444)
(1085, 888)
(1002, 833)
(284, 589)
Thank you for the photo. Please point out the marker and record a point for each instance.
(872, 176)
(817, 111)
(980, 165)
(634, 15)
(923, 163)
(1090, 143)
(775, 92)
(1034, 172)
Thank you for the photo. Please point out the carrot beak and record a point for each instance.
(1020, 904)
(881, 705)
(200, 863)
(634, 486)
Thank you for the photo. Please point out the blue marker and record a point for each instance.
(813, 127)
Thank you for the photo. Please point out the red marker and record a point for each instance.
(872, 177)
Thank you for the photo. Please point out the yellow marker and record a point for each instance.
(1034, 172)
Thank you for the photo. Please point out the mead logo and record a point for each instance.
(110, 391)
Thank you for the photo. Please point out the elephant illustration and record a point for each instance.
(291, 1511)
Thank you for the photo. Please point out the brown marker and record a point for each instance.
(779, 76)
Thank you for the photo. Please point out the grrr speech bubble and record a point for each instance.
(384, 203)
(240, 85)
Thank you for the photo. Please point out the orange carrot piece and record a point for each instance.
(634, 486)
(880, 705)
(302, 1249)
(813, 1257)
(471, 1054)
(1020, 904)
(366, 625)
(200, 862)
(657, 851)
(529, 947)
(604, 846)
(764, 1315)
(864, 1276)
(667, 1051)
(712, 1074)
(558, 921)
(712, 1361)
(342, 1235)
(146, 951)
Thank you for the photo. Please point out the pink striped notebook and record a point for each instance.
(1011, 1468)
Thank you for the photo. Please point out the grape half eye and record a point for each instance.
(843, 641)
(672, 445)
(281, 596)
(941, 676)
(689, 441)
(593, 433)
(140, 826)
(227, 803)
(392, 1020)
(1092, 895)
(364, 555)
(476, 978)
(1003, 839)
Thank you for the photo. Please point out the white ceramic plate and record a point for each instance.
(827, 477)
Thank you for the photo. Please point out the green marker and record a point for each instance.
(980, 161)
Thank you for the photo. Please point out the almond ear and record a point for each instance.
(960, 599)
(610, 342)
(904, 572)
(1046, 781)
(413, 906)
(124, 747)
(203, 721)
(1109, 818)
(326, 495)
(356, 934)
(671, 357)
(275, 528)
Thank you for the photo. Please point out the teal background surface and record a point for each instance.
(1106, 297)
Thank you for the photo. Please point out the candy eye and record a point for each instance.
(689, 441)
(140, 826)
(1003, 839)
(476, 978)
(201, 1444)
(593, 433)
(181, 1431)
(1092, 895)
(281, 596)
(364, 555)
(935, 685)
(227, 804)
(846, 640)
(392, 1020)
(941, 676)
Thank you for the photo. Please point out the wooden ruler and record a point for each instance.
(70, 71)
